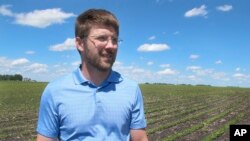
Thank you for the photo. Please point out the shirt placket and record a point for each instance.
(97, 95)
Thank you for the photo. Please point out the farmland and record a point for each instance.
(173, 112)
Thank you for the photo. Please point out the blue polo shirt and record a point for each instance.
(73, 108)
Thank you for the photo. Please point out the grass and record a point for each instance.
(19, 103)
(188, 108)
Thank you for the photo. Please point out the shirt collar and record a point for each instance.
(78, 77)
(114, 77)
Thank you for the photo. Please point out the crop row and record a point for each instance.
(184, 112)
(172, 112)
(169, 129)
(202, 125)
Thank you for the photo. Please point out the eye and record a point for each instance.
(102, 38)
(114, 40)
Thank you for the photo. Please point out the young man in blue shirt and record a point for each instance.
(93, 103)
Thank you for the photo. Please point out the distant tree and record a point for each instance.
(28, 79)
(16, 77)
(203, 85)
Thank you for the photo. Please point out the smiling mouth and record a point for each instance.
(108, 57)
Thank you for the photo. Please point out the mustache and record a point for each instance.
(107, 53)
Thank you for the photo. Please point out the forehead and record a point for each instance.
(102, 30)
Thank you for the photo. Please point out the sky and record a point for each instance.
(164, 41)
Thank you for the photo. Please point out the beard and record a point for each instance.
(101, 59)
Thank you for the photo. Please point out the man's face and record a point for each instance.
(100, 48)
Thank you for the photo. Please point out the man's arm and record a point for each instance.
(138, 135)
(43, 138)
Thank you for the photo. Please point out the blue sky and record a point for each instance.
(166, 41)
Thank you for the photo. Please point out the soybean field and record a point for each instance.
(173, 112)
(19, 102)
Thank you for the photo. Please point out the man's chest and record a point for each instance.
(108, 110)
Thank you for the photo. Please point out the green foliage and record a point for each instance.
(17, 77)
(173, 112)
(185, 112)
(18, 109)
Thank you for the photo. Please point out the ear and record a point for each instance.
(79, 44)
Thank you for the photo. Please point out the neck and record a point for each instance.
(94, 75)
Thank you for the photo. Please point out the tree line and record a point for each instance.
(16, 77)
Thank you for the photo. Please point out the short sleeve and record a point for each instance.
(48, 121)
(138, 118)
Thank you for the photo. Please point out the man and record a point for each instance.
(93, 103)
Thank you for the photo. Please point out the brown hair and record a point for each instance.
(93, 17)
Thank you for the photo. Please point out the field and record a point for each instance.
(174, 112)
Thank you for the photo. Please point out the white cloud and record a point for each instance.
(218, 62)
(208, 76)
(201, 11)
(43, 18)
(165, 65)
(238, 69)
(61, 71)
(241, 79)
(194, 56)
(193, 68)
(193, 78)
(238, 75)
(138, 70)
(142, 75)
(219, 75)
(118, 63)
(167, 71)
(150, 63)
(176, 32)
(199, 71)
(204, 72)
(169, 75)
(25, 67)
(30, 52)
(37, 18)
(37, 68)
(20, 61)
(151, 38)
(5, 11)
(76, 63)
(224, 8)
(5, 67)
(153, 47)
(68, 44)
(136, 73)
(3, 61)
